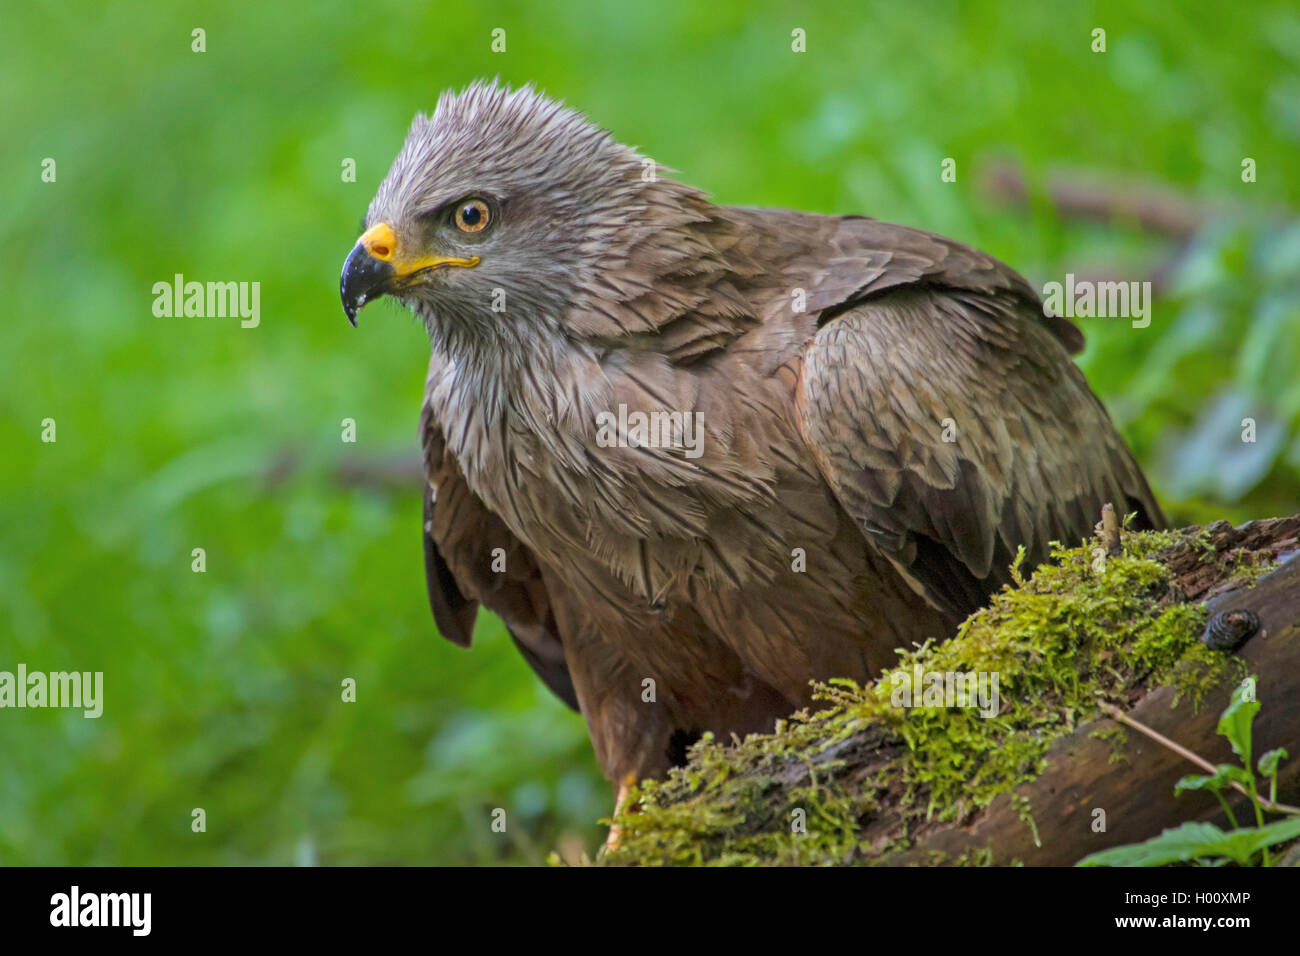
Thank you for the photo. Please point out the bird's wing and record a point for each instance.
(461, 542)
(944, 411)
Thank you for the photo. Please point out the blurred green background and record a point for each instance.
(222, 689)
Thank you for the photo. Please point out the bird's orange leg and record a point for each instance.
(620, 806)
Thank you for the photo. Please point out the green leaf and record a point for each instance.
(1198, 781)
(1223, 778)
(1253, 839)
(1235, 724)
(1187, 842)
(1197, 841)
(1268, 762)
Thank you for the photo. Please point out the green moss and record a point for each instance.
(1085, 628)
(983, 857)
(1117, 737)
(1251, 566)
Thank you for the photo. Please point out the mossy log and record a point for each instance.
(1043, 777)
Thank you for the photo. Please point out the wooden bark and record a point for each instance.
(734, 803)
(1137, 794)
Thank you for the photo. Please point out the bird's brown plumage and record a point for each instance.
(887, 415)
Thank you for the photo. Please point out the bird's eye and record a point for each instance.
(472, 215)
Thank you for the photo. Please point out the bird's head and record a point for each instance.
(498, 214)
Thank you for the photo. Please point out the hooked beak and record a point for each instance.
(373, 266)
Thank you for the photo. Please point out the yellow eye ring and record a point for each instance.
(473, 215)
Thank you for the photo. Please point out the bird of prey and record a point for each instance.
(852, 425)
